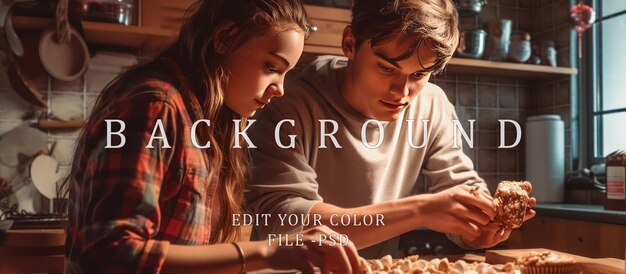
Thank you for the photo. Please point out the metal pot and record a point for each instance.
(469, 7)
(472, 43)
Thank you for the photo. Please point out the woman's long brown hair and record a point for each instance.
(232, 22)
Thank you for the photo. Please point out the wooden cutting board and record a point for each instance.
(583, 264)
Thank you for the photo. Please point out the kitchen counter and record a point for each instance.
(592, 213)
(500, 257)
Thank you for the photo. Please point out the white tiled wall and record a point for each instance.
(12, 107)
(66, 100)
(66, 105)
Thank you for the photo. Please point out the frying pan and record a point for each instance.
(14, 42)
(27, 75)
(6, 23)
(23, 88)
(5, 6)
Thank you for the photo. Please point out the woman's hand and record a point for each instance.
(459, 210)
(313, 253)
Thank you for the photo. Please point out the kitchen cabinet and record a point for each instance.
(330, 23)
(160, 21)
(164, 15)
(32, 251)
(43, 250)
(584, 238)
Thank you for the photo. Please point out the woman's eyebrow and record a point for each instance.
(283, 59)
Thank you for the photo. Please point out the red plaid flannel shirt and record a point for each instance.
(128, 204)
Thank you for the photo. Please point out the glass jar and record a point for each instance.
(520, 48)
(548, 53)
(498, 39)
(109, 11)
(535, 58)
(615, 181)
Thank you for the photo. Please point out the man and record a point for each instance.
(369, 167)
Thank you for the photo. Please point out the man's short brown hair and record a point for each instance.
(434, 21)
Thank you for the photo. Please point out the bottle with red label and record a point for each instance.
(616, 181)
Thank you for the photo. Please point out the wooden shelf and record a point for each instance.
(471, 66)
(475, 66)
(152, 39)
(148, 39)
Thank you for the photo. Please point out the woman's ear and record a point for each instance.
(222, 35)
(348, 42)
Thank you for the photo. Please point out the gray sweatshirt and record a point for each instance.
(292, 180)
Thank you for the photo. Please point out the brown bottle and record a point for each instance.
(615, 181)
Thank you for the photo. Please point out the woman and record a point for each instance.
(148, 200)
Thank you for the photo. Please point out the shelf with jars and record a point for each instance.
(145, 38)
(160, 28)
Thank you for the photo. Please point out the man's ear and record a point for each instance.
(221, 35)
(348, 43)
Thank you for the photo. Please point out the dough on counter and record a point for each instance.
(546, 262)
(545, 258)
(414, 265)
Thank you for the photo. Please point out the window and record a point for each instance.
(609, 98)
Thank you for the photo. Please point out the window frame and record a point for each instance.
(592, 80)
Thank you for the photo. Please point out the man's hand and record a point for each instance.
(459, 210)
(491, 234)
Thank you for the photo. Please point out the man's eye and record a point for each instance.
(385, 69)
(418, 75)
